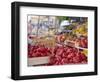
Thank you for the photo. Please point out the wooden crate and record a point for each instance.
(38, 60)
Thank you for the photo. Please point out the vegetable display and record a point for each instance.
(59, 55)
(59, 41)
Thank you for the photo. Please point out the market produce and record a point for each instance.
(38, 51)
(61, 38)
(71, 37)
(83, 42)
(81, 30)
(67, 55)
(59, 55)
(85, 52)
(47, 41)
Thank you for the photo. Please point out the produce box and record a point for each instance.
(38, 60)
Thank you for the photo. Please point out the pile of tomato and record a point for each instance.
(58, 55)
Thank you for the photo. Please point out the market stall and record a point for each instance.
(64, 42)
